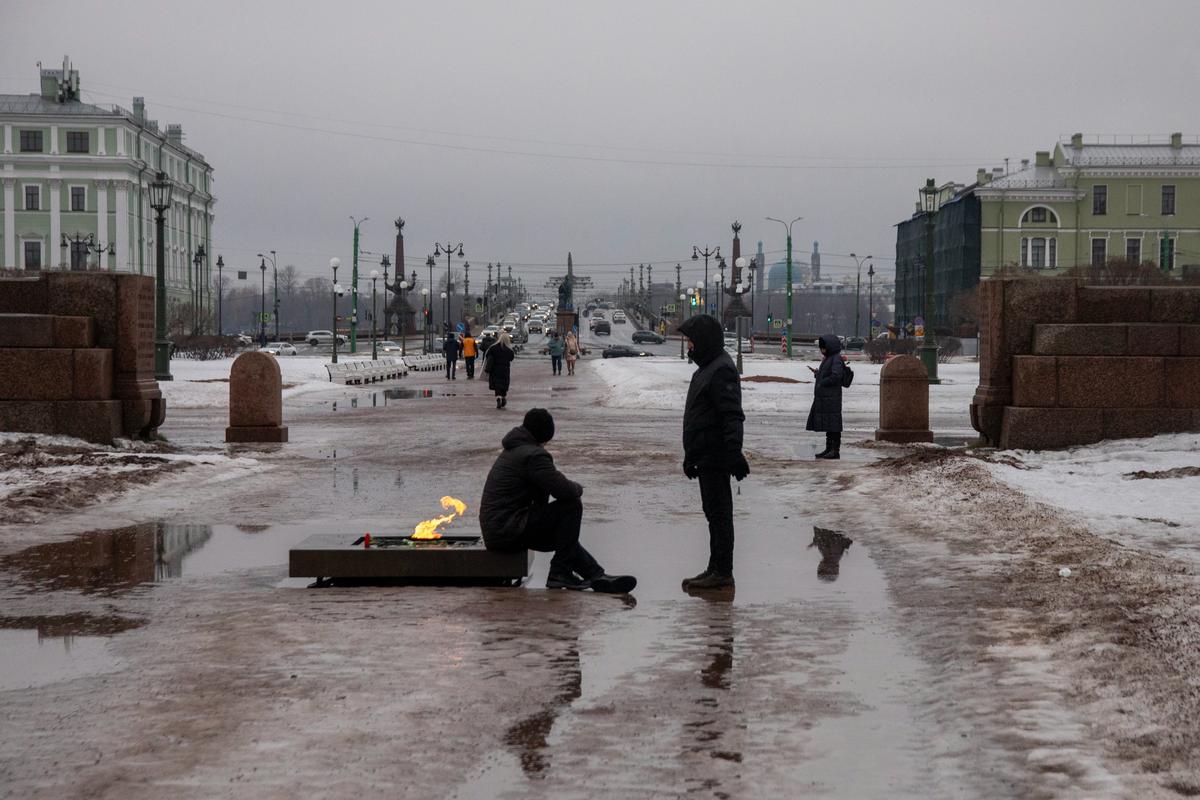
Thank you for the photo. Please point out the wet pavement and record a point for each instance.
(162, 638)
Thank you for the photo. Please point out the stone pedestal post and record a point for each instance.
(904, 401)
(256, 400)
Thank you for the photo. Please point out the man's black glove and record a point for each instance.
(738, 467)
(691, 470)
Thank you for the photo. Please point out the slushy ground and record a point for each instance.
(151, 644)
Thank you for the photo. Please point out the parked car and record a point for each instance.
(649, 337)
(621, 351)
(316, 338)
(855, 344)
(245, 339)
(280, 349)
(602, 327)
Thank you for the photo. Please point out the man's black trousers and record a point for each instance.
(470, 362)
(716, 498)
(451, 366)
(555, 527)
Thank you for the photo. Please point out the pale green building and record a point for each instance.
(1089, 201)
(75, 179)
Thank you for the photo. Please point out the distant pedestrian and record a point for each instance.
(572, 354)
(451, 348)
(712, 443)
(826, 412)
(497, 364)
(469, 351)
(557, 347)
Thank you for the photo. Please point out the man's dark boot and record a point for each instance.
(712, 581)
(689, 581)
(566, 580)
(613, 584)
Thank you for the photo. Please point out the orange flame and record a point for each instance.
(429, 528)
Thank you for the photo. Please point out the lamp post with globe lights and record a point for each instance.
(858, 288)
(788, 330)
(425, 313)
(707, 252)
(683, 298)
(403, 333)
(445, 313)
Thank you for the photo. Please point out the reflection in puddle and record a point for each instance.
(35, 651)
(832, 546)
(710, 721)
(380, 399)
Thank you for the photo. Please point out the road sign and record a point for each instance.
(265, 317)
(241, 274)
(479, 307)
(776, 323)
(460, 327)
(670, 308)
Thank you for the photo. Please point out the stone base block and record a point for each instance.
(1050, 428)
(450, 560)
(902, 437)
(92, 420)
(1131, 423)
(1183, 382)
(257, 433)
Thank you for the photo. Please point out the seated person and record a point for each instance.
(516, 512)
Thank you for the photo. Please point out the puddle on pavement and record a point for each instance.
(383, 398)
(35, 651)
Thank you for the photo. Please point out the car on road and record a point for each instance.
(535, 325)
(619, 318)
(245, 339)
(317, 338)
(646, 337)
(491, 330)
(280, 349)
(602, 327)
(621, 351)
(388, 346)
(855, 344)
(598, 314)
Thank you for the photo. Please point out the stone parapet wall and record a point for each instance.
(77, 355)
(1063, 364)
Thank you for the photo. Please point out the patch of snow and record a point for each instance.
(1092, 483)
(205, 384)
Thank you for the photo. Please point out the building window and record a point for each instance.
(1037, 252)
(33, 198)
(1100, 200)
(1052, 252)
(33, 255)
(78, 198)
(77, 141)
(79, 254)
(1166, 253)
(1024, 251)
(1099, 252)
(1038, 214)
(1133, 250)
(1168, 201)
(31, 141)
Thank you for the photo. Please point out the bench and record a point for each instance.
(426, 363)
(357, 373)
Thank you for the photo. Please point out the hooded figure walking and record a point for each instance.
(712, 443)
(497, 364)
(826, 412)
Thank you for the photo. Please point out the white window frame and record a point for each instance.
(24, 202)
(71, 187)
(1141, 246)
(1092, 249)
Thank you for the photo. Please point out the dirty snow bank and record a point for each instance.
(205, 384)
(1140, 491)
(661, 383)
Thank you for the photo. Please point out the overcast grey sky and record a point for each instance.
(526, 129)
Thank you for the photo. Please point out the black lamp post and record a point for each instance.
(334, 263)
(403, 286)
(198, 263)
(262, 312)
(374, 344)
(275, 289)
(870, 302)
(429, 262)
(386, 262)
(160, 201)
(929, 204)
(707, 252)
(220, 295)
(439, 249)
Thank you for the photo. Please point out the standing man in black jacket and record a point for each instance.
(712, 443)
(451, 348)
(516, 512)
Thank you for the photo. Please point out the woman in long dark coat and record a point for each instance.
(826, 412)
(498, 364)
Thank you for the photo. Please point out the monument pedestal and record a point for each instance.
(451, 560)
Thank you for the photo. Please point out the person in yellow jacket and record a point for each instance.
(469, 352)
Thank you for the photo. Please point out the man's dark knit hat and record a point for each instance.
(539, 423)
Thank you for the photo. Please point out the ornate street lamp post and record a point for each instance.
(870, 302)
(696, 253)
(160, 201)
(197, 292)
(220, 295)
(929, 204)
(403, 332)
(445, 313)
(682, 299)
(275, 289)
(262, 313)
(374, 344)
(425, 312)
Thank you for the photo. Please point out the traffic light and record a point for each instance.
(770, 320)
(693, 301)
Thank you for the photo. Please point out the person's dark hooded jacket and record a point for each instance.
(826, 412)
(524, 476)
(452, 347)
(712, 418)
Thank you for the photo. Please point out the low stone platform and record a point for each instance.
(449, 560)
